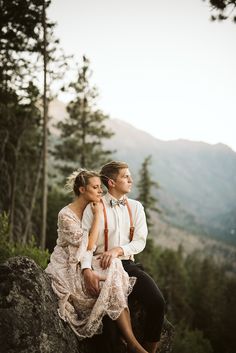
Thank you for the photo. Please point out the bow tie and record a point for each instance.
(113, 202)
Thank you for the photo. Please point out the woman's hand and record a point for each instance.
(97, 208)
(91, 281)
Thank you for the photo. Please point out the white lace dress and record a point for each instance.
(83, 312)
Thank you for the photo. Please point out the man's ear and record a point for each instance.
(111, 183)
(82, 189)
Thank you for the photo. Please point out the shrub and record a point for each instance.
(30, 249)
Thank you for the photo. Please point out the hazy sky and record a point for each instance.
(162, 66)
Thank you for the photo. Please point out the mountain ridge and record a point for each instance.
(197, 179)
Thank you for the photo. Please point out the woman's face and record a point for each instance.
(93, 191)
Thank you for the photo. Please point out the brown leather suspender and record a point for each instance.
(105, 227)
(131, 229)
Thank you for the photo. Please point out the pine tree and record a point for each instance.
(83, 130)
(146, 187)
(45, 133)
(21, 61)
(223, 10)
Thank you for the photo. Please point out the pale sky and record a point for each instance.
(161, 66)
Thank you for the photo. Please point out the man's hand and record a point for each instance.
(91, 281)
(108, 256)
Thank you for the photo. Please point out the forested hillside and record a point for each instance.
(197, 180)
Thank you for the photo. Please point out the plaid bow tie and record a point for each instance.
(113, 202)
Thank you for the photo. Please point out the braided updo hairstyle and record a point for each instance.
(78, 178)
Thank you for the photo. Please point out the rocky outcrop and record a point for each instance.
(29, 322)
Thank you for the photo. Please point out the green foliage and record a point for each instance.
(208, 297)
(200, 299)
(21, 32)
(5, 249)
(191, 341)
(148, 258)
(56, 200)
(31, 250)
(84, 129)
(21, 126)
(223, 9)
(8, 249)
(145, 188)
(20, 129)
(20, 116)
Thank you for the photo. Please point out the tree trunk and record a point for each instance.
(33, 199)
(45, 138)
(4, 142)
(13, 194)
(82, 158)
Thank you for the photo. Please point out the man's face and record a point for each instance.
(123, 182)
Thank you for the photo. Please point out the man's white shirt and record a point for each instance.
(118, 223)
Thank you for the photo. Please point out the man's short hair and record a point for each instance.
(111, 170)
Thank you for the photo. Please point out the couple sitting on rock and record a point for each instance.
(92, 266)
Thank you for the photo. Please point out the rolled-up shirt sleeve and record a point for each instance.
(140, 233)
(86, 261)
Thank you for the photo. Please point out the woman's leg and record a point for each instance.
(124, 324)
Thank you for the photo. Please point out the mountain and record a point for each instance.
(197, 180)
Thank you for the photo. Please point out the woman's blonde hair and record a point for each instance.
(78, 178)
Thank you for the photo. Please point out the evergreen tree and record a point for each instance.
(20, 42)
(200, 298)
(191, 341)
(146, 187)
(45, 133)
(223, 9)
(20, 116)
(20, 126)
(21, 60)
(83, 130)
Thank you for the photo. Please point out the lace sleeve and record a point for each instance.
(72, 236)
(70, 231)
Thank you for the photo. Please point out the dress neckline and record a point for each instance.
(73, 212)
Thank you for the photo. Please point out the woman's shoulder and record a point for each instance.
(63, 211)
(66, 212)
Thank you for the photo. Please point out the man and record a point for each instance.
(122, 234)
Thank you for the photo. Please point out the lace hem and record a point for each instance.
(85, 318)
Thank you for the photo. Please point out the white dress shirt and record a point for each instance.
(118, 223)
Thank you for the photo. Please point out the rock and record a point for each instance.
(138, 320)
(29, 322)
(28, 311)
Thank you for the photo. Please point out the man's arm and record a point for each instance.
(135, 246)
(140, 233)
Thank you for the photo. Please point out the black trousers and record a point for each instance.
(147, 293)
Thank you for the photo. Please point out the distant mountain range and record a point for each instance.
(197, 180)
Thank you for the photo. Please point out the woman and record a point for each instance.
(84, 312)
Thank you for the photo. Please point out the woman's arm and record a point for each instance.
(97, 209)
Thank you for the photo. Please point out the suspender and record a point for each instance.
(131, 229)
